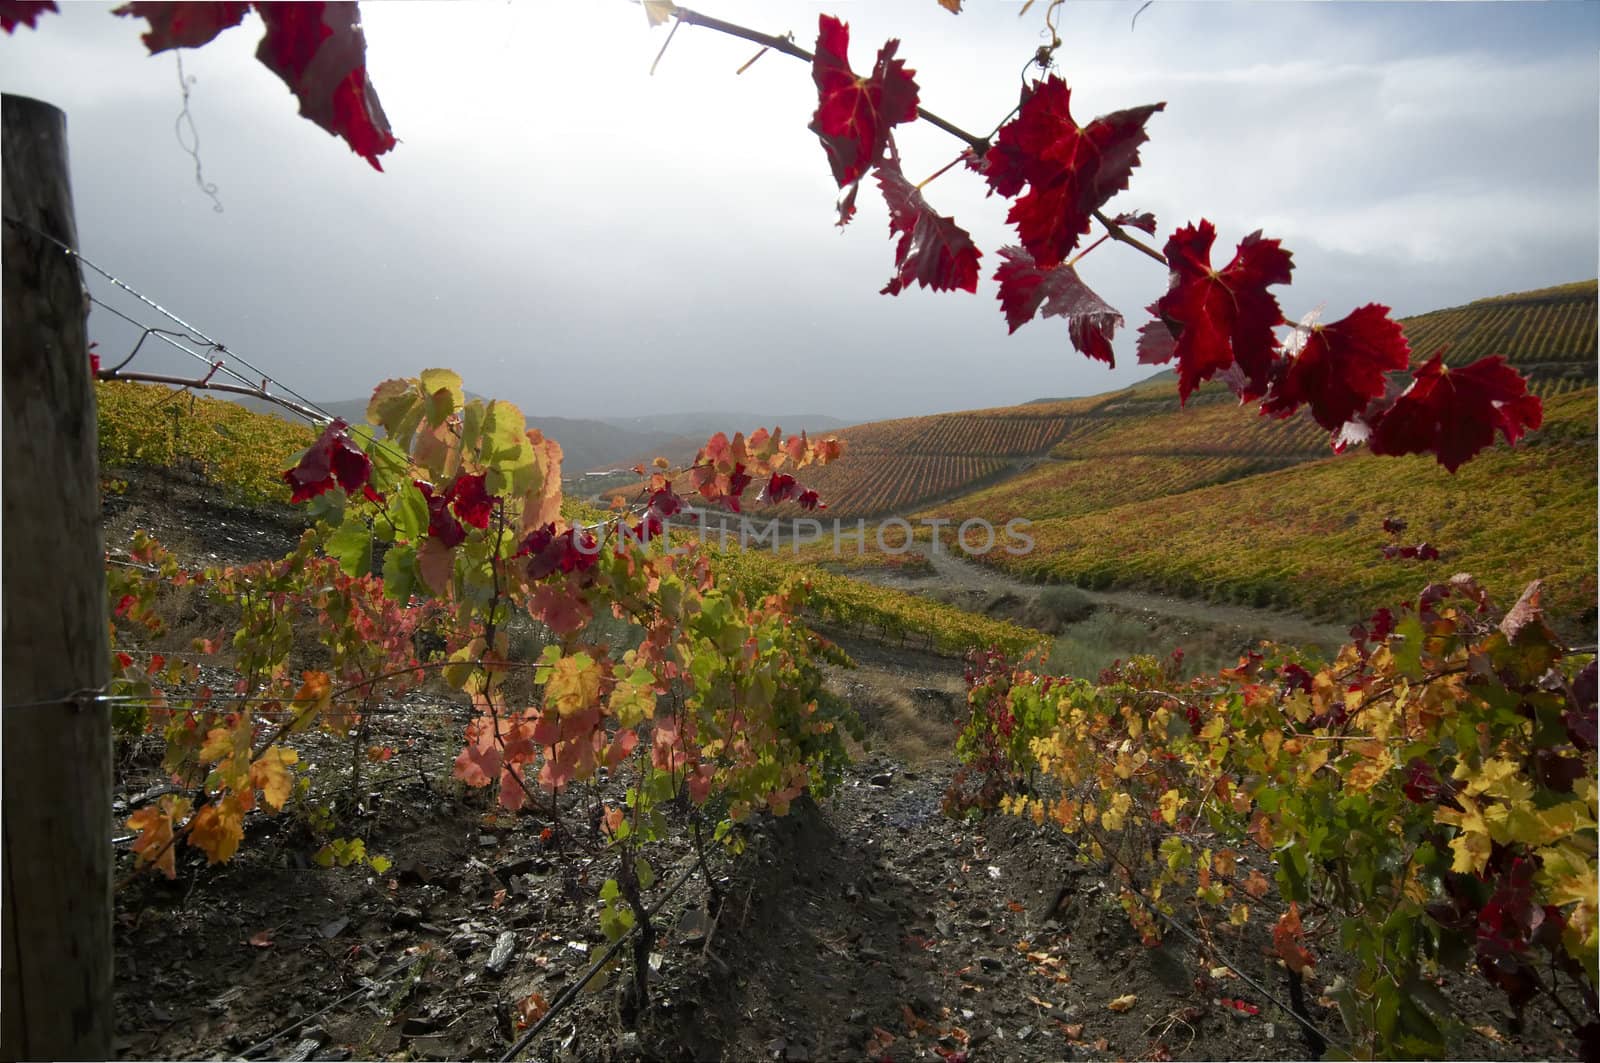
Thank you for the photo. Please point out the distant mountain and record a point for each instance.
(705, 425)
(602, 444)
(1164, 376)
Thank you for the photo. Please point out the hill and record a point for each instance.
(1308, 536)
(913, 463)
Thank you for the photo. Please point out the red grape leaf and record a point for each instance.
(780, 488)
(1342, 368)
(319, 51)
(317, 48)
(854, 114)
(14, 13)
(1025, 289)
(1070, 170)
(933, 250)
(470, 502)
(1143, 221)
(184, 25)
(333, 457)
(1156, 342)
(560, 607)
(443, 528)
(1220, 317)
(1454, 413)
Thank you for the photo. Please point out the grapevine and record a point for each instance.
(1426, 801)
(718, 709)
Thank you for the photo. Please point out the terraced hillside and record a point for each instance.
(1068, 456)
(1307, 537)
(242, 452)
(1549, 334)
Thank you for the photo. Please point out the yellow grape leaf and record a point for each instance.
(1123, 1003)
(222, 742)
(270, 774)
(1312, 760)
(228, 748)
(1568, 874)
(1498, 777)
(1472, 845)
(1582, 937)
(1114, 817)
(155, 825)
(1366, 774)
(1520, 821)
(218, 829)
(1272, 744)
(572, 684)
(433, 382)
(1171, 802)
(1240, 915)
(633, 699)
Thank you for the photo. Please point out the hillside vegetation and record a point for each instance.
(153, 426)
(1308, 537)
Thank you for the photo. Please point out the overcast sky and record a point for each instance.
(587, 240)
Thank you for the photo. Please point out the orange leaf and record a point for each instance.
(532, 1009)
(218, 829)
(155, 825)
(1286, 939)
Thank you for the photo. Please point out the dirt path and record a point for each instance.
(956, 572)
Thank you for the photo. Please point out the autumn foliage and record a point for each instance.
(1440, 771)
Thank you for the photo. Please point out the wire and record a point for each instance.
(77, 699)
(298, 1023)
(570, 994)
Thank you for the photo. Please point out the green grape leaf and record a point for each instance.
(351, 544)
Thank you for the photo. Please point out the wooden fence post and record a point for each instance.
(55, 790)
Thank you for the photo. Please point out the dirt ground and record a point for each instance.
(866, 925)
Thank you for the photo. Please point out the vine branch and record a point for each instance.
(979, 145)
